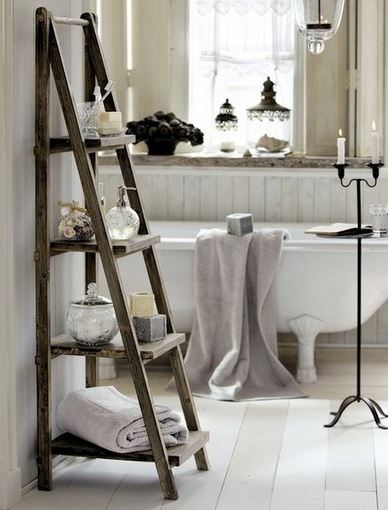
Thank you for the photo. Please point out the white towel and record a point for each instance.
(107, 418)
(232, 353)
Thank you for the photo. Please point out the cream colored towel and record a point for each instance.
(109, 419)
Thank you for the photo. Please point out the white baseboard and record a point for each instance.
(335, 346)
(58, 467)
(11, 492)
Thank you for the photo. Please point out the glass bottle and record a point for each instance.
(122, 221)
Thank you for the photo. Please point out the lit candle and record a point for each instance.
(341, 142)
(375, 145)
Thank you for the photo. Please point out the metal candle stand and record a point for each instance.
(371, 404)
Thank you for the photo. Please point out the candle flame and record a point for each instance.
(340, 132)
(374, 126)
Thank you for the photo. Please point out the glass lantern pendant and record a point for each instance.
(317, 21)
(226, 124)
(269, 123)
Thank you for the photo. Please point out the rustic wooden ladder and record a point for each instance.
(48, 56)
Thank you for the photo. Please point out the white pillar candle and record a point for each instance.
(341, 143)
(375, 145)
(142, 304)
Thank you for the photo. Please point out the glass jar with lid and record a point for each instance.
(91, 320)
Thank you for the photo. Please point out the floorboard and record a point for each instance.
(267, 455)
(300, 477)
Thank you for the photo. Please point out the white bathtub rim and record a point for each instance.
(310, 245)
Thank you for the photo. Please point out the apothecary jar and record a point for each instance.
(91, 320)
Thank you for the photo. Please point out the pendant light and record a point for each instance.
(317, 21)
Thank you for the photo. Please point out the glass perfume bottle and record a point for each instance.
(122, 221)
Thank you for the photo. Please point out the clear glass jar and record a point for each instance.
(122, 221)
(269, 136)
(91, 320)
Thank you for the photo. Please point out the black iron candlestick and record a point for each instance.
(371, 404)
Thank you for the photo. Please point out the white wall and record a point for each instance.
(66, 373)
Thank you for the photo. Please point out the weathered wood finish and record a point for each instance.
(154, 272)
(42, 254)
(91, 271)
(110, 267)
(49, 52)
(67, 444)
(120, 248)
(187, 403)
(107, 143)
(65, 345)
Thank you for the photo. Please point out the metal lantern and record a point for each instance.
(226, 124)
(317, 21)
(269, 122)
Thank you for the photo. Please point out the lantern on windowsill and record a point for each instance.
(317, 21)
(269, 123)
(226, 125)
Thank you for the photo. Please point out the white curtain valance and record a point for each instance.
(242, 7)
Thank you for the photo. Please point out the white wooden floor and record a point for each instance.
(269, 455)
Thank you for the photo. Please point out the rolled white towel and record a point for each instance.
(111, 420)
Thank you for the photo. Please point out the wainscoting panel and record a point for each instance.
(271, 195)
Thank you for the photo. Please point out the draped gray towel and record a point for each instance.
(232, 352)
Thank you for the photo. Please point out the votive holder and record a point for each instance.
(379, 219)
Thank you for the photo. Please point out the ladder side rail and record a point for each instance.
(111, 270)
(124, 158)
(42, 253)
(91, 259)
(187, 403)
(149, 255)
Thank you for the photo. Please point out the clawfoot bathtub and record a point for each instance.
(316, 283)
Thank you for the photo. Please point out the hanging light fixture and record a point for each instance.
(317, 21)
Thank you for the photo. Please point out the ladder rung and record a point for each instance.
(104, 143)
(120, 248)
(66, 345)
(71, 21)
(67, 444)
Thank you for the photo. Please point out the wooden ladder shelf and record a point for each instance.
(49, 59)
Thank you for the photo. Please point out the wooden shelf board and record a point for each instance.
(105, 143)
(120, 248)
(67, 444)
(65, 345)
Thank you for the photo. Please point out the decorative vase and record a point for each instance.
(161, 147)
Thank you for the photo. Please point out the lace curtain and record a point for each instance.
(234, 46)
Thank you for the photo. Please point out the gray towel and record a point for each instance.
(232, 352)
(109, 419)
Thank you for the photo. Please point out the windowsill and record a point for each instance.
(234, 161)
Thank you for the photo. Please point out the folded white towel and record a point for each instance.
(109, 419)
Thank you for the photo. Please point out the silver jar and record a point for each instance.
(92, 321)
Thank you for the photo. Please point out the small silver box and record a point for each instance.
(240, 224)
(150, 329)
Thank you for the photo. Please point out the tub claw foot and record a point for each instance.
(306, 328)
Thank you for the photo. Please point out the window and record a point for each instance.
(233, 46)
